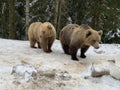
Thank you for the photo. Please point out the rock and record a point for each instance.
(99, 73)
(64, 75)
(24, 72)
(100, 68)
(47, 73)
(115, 71)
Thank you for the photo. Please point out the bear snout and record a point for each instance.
(96, 47)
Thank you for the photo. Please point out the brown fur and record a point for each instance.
(43, 34)
(73, 37)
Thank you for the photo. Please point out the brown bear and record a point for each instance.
(43, 34)
(73, 37)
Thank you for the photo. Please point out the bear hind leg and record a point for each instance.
(83, 50)
(66, 49)
(73, 52)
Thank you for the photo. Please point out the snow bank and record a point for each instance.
(24, 68)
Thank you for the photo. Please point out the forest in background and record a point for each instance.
(99, 14)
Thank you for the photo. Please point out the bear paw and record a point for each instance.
(33, 47)
(82, 56)
(75, 59)
(48, 51)
(67, 53)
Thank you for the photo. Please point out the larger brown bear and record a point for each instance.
(73, 37)
(43, 34)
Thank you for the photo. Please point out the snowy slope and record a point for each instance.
(53, 71)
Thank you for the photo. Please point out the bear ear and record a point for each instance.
(100, 32)
(49, 27)
(88, 34)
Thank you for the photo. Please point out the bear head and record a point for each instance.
(46, 30)
(93, 38)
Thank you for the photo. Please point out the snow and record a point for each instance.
(24, 68)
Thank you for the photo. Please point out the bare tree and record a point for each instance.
(27, 18)
(12, 31)
(4, 19)
(58, 6)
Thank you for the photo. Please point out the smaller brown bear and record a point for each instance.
(43, 34)
(73, 37)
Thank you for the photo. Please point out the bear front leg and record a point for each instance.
(38, 44)
(83, 50)
(50, 42)
(49, 47)
(73, 52)
(45, 45)
(45, 49)
(66, 49)
(32, 43)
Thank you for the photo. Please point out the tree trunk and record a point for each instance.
(27, 18)
(58, 16)
(5, 18)
(96, 14)
(12, 31)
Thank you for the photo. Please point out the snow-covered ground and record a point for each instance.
(24, 68)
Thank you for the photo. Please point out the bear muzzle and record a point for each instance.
(96, 47)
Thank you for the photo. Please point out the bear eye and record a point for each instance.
(94, 41)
